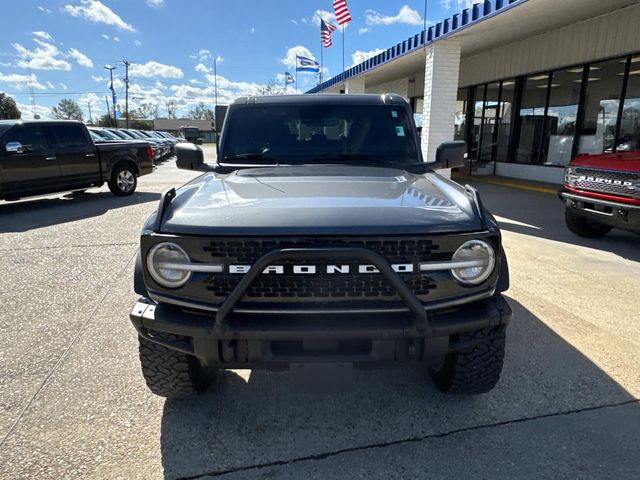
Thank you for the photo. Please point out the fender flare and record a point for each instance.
(138, 278)
(503, 278)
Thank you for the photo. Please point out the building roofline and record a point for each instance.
(449, 26)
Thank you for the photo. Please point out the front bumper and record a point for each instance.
(268, 340)
(620, 215)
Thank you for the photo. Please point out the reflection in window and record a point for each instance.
(534, 99)
(562, 115)
(461, 114)
(629, 136)
(601, 106)
(504, 120)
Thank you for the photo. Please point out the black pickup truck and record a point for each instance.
(320, 240)
(40, 157)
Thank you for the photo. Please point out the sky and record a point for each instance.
(58, 48)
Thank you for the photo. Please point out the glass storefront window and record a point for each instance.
(534, 99)
(562, 115)
(601, 107)
(461, 114)
(629, 135)
(504, 120)
(488, 123)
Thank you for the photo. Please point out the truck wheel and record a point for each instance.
(169, 373)
(584, 227)
(475, 369)
(123, 181)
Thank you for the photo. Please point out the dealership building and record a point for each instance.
(528, 84)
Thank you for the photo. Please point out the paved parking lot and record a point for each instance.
(73, 403)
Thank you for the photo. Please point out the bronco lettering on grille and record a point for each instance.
(313, 269)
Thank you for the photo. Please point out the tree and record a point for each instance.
(8, 108)
(272, 88)
(147, 110)
(201, 112)
(172, 108)
(105, 121)
(67, 109)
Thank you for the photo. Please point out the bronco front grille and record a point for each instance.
(322, 286)
(605, 181)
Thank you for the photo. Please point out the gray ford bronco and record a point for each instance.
(320, 237)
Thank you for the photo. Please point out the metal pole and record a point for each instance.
(106, 100)
(113, 93)
(215, 77)
(321, 58)
(90, 118)
(343, 47)
(126, 89)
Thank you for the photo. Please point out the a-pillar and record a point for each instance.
(440, 95)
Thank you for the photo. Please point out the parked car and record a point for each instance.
(128, 135)
(320, 247)
(40, 157)
(602, 192)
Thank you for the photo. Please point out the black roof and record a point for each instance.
(324, 98)
(38, 122)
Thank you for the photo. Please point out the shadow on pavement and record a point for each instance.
(43, 212)
(542, 215)
(243, 423)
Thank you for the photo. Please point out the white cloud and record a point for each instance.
(116, 39)
(446, 4)
(406, 15)
(99, 79)
(18, 81)
(45, 10)
(81, 58)
(289, 59)
(44, 57)
(43, 35)
(50, 85)
(105, 36)
(364, 30)
(324, 15)
(155, 69)
(253, 30)
(202, 68)
(360, 56)
(295, 22)
(193, 81)
(97, 12)
(465, 3)
(63, 86)
(28, 111)
(155, 3)
(137, 43)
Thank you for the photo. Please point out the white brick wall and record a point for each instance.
(355, 85)
(440, 93)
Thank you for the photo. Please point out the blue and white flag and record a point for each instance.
(288, 78)
(304, 64)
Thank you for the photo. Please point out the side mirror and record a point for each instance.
(450, 155)
(14, 147)
(190, 157)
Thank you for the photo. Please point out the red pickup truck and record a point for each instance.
(602, 192)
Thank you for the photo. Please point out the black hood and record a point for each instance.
(323, 199)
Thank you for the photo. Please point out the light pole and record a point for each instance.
(113, 92)
(215, 78)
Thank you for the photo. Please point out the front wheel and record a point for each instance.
(169, 373)
(123, 181)
(583, 227)
(475, 369)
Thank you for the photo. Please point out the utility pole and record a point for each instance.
(113, 93)
(215, 78)
(90, 118)
(106, 100)
(126, 89)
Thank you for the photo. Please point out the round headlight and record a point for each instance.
(478, 259)
(164, 263)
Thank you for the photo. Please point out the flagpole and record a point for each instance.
(343, 47)
(321, 59)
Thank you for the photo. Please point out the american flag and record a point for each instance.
(342, 11)
(325, 33)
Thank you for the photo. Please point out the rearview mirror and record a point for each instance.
(14, 147)
(450, 155)
(190, 157)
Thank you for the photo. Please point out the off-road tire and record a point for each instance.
(123, 181)
(169, 373)
(473, 370)
(584, 227)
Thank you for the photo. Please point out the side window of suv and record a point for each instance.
(32, 138)
(69, 136)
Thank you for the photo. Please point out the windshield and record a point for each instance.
(104, 134)
(320, 134)
(119, 134)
